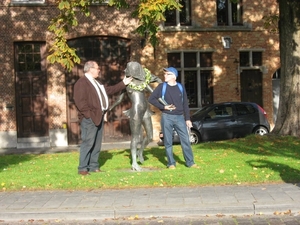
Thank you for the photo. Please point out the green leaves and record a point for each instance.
(64, 5)
(150, 14)
(271, 23)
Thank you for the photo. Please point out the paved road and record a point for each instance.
(245, 220)
(208, 202)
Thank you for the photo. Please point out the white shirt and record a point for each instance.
(97, 85)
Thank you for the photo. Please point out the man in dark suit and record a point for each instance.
(92, 103)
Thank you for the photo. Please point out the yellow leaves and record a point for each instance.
(3, 186)
(136, 217)
(288, 212)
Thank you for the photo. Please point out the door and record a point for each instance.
(112, 55)
(31, 90)
(219, 123)
(251, 86)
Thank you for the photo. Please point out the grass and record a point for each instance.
(250, 160)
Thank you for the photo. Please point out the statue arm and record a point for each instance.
(152, 80)
(119, 100)
(149, 88)
(155, 79)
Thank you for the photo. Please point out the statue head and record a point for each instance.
(135, 70)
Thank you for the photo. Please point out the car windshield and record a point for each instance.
(201, 111)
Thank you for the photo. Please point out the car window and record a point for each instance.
(244, 109)
(220, 111)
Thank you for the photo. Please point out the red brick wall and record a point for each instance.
(30, 23)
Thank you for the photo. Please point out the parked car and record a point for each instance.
(224, 121)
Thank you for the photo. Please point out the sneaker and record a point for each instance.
(172, 167)
(194, 166)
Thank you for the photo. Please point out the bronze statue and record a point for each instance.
(139, 114)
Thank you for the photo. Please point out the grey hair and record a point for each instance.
(88, 65)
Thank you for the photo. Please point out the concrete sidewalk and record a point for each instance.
(269, 199)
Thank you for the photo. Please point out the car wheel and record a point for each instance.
(260, 130)
(194, 137)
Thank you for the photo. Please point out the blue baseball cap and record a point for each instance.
(172, 70)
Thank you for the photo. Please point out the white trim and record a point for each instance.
(28, 1)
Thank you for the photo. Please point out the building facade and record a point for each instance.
(220, 48)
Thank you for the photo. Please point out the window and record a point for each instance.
(244, 109)
(179, 18)
(276, 75)
(229, 13)
(221, 111)
(250, 58)
(195, 72)
(28, 57)
(28, 1)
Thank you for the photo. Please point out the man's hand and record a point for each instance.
(127, 80)
(188, 123)
(170, 107)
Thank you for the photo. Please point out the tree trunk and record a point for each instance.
(288, 119)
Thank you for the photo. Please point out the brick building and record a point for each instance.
(221, 50)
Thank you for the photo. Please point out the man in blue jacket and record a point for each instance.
(170, 97)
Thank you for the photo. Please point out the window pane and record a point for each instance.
(222, 12)
(190, 78)
(206, 59)
(190, 59)
(206, 88)
(184, 18)
(29, 57)
(244, 109)
(237, 12)
(222, 111)
(174, 60)
(185, 13)
(196, 87)
(256, 58)
(244, 59)
(170, 18)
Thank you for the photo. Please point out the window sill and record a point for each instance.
(203, 29)
(18, 4)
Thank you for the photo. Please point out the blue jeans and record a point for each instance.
(168, 122)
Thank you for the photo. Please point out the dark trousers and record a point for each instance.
(91, 145)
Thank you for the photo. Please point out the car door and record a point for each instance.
(218, 123)
(246, 116)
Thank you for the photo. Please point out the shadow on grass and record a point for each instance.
(287, 173)
(17, 156)
(153, 153)
(13, 159)
(268, 146)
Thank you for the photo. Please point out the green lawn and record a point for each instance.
(251, 160)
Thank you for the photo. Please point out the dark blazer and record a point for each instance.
(87, 100)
